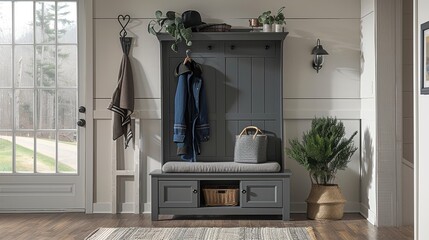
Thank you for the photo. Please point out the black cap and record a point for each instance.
(191, 18)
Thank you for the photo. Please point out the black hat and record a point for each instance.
(191, 18)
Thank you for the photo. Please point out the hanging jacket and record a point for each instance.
(191, 125)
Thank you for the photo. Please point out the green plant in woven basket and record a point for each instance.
(323, 150)
(173, 24)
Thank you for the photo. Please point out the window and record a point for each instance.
(38, 86)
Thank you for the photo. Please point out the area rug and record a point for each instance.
(242, 233)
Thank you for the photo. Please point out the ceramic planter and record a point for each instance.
(278, 27)
(267, 28)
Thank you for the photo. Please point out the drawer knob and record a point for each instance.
(209, 47)
(267, 47)
(195, 191)
(244, 191)
(232, 47)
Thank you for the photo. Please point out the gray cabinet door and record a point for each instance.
(178, 194)
(261, 194)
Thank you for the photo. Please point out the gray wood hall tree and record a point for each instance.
(242, 73)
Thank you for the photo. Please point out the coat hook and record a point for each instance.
(123, 21)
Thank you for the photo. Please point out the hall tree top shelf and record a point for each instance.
(233, 35)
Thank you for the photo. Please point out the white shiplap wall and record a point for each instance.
(335, 91)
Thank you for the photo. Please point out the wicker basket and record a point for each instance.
(325, 202)
(217, 196)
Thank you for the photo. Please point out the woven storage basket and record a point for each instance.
(325, 202)
(217, 196)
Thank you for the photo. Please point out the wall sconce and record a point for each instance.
(318, 53)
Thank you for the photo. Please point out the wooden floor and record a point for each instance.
(78, 225)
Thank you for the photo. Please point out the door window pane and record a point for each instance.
(6, 109)
(45, 152)
(24, 63)
(67, 109)
(67, 27)
(5, 65)
(67, 151)
(24, 152)
(24, 22)
(6, 22)
(46, 109)
(45, 22)
(24, 109)
(67, 66)
(45, 66)
(6, 152)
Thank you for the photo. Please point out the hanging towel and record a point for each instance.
(122, 103)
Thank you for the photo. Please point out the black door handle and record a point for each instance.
(82, 109)
(81, 122)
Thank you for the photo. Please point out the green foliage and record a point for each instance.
(173, 25)
(323, 149)
(279, 18)
(266, 18)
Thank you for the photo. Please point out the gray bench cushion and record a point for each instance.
(209, 167)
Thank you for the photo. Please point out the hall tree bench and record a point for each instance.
(242, 74)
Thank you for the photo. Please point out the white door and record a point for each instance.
(41, 158)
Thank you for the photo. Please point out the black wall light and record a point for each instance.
(318, 53)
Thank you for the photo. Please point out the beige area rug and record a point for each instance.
(242, 233)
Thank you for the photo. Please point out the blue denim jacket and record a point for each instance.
(191, 124)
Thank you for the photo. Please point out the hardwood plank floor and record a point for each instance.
(79, 225)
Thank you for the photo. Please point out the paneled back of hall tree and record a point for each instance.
(243, 82)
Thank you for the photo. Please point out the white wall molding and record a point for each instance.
(349, 207)
(102, 207)
(16, 189)
(368, 214)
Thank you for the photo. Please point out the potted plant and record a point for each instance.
(323, 151)
(267, 20)
(279, 20)
(173, 24)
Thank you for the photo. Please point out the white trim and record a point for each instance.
(301, 207)
(416, 117)
(106, 207)
(86, 38)
(146, 208)
(102, 207)
(30, 210)
(368, 214)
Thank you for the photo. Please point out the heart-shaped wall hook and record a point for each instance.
(123, 21)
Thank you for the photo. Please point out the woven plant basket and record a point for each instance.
(325, 202)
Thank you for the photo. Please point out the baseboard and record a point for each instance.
(78, 210)
(102, 207)
(146, 208)
(368, 214)
(128, 207)
(301, 207)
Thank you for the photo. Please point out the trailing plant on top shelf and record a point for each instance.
(173, 24)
